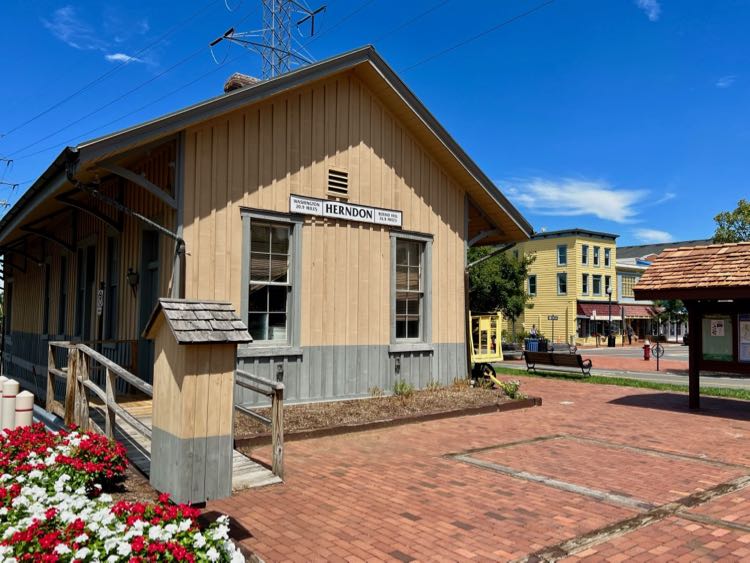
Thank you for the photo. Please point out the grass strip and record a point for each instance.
(627, 382)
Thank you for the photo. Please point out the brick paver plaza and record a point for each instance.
(597, 473)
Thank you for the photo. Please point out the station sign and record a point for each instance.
(552, 317)
(345, 211)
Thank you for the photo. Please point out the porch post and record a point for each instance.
(695, 327)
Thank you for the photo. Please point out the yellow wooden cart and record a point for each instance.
(486, 344)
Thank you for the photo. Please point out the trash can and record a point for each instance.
(531, 345)
(543, 345)
(611, 341)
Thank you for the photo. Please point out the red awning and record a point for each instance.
(602, 310)
(638, 311)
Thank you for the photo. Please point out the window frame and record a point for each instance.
(112, 288)
(608, 284)
(584, 255)
(562, 276)
(559, 247)
(596, 258)
(424, 342)
(290, 346)
(594, 279)
(584, 284)
(532, 294)
(607, 257)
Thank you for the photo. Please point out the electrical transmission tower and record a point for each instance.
(274, 42)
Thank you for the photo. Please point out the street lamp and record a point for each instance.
(610, 338)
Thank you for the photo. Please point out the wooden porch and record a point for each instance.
(125, 417)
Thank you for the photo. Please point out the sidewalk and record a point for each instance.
(621, 364)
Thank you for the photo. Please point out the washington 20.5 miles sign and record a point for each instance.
(346, 211)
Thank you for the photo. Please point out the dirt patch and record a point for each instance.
(361, 411)
(135, 488)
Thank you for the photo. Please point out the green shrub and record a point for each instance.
(511, 388)
(403, 389)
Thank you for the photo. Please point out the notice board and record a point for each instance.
(743, 346)
(717, 338)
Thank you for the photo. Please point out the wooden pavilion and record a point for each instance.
(714, 283)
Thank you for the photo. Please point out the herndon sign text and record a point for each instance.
(347, 211)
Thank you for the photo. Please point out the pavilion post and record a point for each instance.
(695, 327)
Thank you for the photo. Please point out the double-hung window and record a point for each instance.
(585, 254)
(597, 284)
(596, 256)
(562, 284)
(409, 289)
(562, 255)
(532, 284)
(607, 282)
(585, 284)
(270, 288)
(607, 257)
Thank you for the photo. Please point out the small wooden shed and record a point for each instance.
(714, 283)
(195, 349)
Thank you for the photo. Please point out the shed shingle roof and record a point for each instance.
(715, 267)
(200, 322)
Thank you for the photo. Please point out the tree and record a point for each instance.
(670, 311)
(499, 283)
(733, 226)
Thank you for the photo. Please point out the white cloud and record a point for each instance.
(652, 236)
(571, 197)
(72, 30)
(122, 58)
(726, 81)
(652, 8)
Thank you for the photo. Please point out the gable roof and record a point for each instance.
(717, 271)
(583, 233)
(364, 60)
(199, 322)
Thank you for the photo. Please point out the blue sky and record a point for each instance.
(628, 116)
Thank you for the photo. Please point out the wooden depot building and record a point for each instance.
(714, 283)
(327, 205)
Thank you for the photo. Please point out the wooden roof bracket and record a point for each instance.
(49, 237)
(482, 235)
(139, 180)
(81, 206)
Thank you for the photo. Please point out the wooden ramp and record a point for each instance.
(246, 473)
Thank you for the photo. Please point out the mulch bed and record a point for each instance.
(135, 488)
(313, 416)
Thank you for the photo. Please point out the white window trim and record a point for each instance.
(558, 283)
(535, 285)
(593, 286)
(559, 246)
(585, 286)
(607, 257)
(584, 255)
(596, 258)
(424, 342)
(292, 344)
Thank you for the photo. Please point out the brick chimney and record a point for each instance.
(239, 80)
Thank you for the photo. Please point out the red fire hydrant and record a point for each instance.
(647, 350)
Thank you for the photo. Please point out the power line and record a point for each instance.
(341, 21)
(111, 71)
(410, 21)
(117, 99)
(479, 35)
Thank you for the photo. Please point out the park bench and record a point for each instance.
(557, 360)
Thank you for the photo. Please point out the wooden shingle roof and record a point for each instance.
(200, 322)
(716, 271)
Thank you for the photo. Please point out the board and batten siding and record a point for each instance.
(255, 158)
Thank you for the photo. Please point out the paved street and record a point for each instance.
(603, 473)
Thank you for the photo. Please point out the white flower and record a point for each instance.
(83, 538)
(199, 540)
(62, 549)
(212, 554)
(82, 553)
(123, 549)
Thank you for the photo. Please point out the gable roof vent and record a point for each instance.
(338, 182)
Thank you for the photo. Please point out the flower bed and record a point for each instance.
(52, 508)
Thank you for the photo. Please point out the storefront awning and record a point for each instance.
(587, 310)
(638, 311)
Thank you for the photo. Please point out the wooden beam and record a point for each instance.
(695, 332)
(482, 235)
(49, 237)
(20, 253)
(67, 200)
(140, 181)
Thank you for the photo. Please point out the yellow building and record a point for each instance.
(569, 280)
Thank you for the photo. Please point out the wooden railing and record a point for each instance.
(275, 391)
(75, 408)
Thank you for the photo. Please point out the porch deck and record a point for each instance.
(246, 473)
